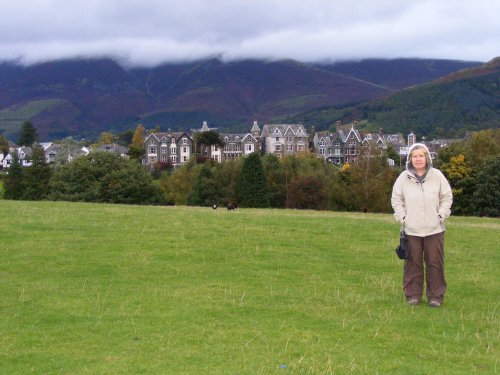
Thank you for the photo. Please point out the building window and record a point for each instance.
(152, 142)
(289, 139)
(163, 149)
(173, 150)
(249, 147)
(322, 142)
(152, 150)
(172, 140)
(184, 141)
(184, 149)
(278, 148)
(289, 148)
(322, 151)
(277, 139)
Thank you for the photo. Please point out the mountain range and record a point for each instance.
(84, 97)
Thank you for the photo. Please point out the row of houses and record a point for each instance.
(339, 147)
(176, 148)
(56, 153)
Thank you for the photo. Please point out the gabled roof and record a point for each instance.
(284, 129)
(167, 135)
(241, 137)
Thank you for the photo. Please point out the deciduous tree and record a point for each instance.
(204, 192)
(486, 197)
(462, 180)
(137, 148)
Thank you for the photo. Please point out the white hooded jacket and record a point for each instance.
(422, 207)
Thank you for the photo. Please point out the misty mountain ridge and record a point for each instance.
(84, 97)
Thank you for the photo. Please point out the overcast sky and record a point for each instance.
(149, 32)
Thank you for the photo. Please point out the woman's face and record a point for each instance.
(418, 159)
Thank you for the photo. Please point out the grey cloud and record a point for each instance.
(150, 32)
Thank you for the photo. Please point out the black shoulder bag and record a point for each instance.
(403, 251)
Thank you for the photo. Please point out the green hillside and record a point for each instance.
(110, 289)
(12, 118)
(445, 108)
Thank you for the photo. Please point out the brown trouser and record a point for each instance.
(431, 250)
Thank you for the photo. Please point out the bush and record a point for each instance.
(104, 177)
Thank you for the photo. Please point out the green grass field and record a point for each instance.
(112, 289)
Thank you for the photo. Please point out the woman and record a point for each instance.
(421, 199)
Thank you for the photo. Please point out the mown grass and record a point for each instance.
(113, 289)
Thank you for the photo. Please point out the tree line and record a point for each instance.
(301, 182)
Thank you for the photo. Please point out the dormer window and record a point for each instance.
(277, 131)
(172, 140)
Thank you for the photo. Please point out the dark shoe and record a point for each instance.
(413, 301)
(434, 304)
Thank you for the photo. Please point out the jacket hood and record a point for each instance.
(429, 160)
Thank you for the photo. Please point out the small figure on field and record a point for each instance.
(231, 206)
(421, 199)
(214, 206)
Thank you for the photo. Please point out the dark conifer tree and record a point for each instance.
(28, 134)
(276, 181)
(252, 184)
(4, 145)
(14, 184)
(37, 176)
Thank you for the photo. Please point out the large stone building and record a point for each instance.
(344, 145)
(175, 148)
(237, 145)
(284, 139)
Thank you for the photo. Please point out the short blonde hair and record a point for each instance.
(426, 153)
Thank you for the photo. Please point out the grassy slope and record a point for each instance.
(87, 288)
(13, 117)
